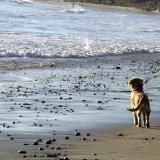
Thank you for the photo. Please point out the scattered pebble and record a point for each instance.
(121, 134)
(88, 134)
(66, 158)
(35, 143)
(93, 139)
(49, 141)
(51, 155)
(67, 138)
(118, 67)
(94, 154)
(77, 133)
(41, 149)
(11, 138)
(84, 139)
(25, 144)
(22, 152)
(56, 148)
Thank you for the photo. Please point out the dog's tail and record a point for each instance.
(134, 109)
(139, 105)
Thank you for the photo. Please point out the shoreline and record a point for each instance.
(20, 63)
(114, 7)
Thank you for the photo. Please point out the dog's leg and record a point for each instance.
(147, 120)
(144, 118)
(135, 119)
(139, 119)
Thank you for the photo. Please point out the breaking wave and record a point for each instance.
(23, 1)
(65, 45)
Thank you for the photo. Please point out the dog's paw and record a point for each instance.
(138, 125)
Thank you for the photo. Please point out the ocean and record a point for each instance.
(44, 29)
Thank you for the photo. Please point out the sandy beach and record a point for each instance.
(76, 108)
(64, 70)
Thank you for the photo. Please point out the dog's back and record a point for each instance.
(140, 101)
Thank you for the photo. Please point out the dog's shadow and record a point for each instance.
(156, 127)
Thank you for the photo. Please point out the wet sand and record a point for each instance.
(120, 142)
(76, 108)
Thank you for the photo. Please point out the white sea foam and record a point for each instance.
(60, 45)
(76, 9)
(24, 1)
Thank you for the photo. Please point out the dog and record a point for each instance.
(139, 102)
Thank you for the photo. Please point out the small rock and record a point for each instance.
(41, 149)
(84, 139)
(51, 155)
(67, 138)
(88, 134)
(121, 134)
(52, 65)
(35, 143)
(39, 140)
(118, 67)
(57, 148)
(93, 139)
(66, 158)
(77, 133)
(22, 152)
(94, 154)
(49, 141)
(25, 144)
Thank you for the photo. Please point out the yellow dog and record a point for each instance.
(139, 102)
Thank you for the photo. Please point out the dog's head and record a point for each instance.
(136, 83)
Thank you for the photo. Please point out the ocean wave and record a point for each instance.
(73, 9)
(69, 45)
(38, 54)
(23, 1)
(76, 9)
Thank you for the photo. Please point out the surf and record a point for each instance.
(76, 9)
(24, 1)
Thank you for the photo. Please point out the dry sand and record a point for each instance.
(32, 110)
